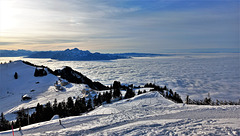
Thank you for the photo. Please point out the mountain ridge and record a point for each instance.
(74, 55)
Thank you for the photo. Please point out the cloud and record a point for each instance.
(7, 43)
(124, 25)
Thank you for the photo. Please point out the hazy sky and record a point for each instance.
(119, 25)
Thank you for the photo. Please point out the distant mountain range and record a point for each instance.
(72, 54)
(15, 53)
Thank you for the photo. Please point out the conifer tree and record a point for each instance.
(129, 94)
(39, 113)
(70, 106)
(89, 105)
(22, 118)
(108, 97)
(170, 93)
(104, 96)
(16, 75)
(95, 102)
(60, 109)
(36, 73)
(55, 106)
(139, 92)
(64, 109)
(187, 99)
(110, 94)
(47, 111)
(77, 106)
(165, 88)
(4, 124)
(116, 85)
(100, 99)
(116, 93)
(83, 105)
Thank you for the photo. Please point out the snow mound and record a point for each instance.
(154, 96)
(143, 100)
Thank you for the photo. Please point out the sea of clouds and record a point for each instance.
(195, 75)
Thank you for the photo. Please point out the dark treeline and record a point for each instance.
(4, 124)
(208, 101)
(165, 92)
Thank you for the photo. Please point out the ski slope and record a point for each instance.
(145, 114)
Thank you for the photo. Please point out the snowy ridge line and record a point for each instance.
(72, 76)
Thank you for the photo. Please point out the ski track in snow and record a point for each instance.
(146, 114)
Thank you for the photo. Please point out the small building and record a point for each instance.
(26, 97)
(64, 82)
(88, 96)
(58, 87)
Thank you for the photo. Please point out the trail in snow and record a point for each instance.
(146, 114)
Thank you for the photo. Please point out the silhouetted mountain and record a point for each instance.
(73, 55)
(76, 77)
(14, 53)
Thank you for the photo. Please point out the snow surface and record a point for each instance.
(40, 89)
(145, 114)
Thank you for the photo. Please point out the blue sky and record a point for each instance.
(153, 26)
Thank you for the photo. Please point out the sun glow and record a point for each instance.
(8, 15)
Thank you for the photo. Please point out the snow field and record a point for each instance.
(146, 114)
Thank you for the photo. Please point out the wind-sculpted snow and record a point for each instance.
(146, 114)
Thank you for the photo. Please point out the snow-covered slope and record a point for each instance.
(146, 114)
(40, 89)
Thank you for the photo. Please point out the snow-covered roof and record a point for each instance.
(26, 95)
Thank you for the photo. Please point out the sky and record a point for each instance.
(152, 26)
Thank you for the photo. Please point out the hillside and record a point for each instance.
(41, 88)
(146, 114)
